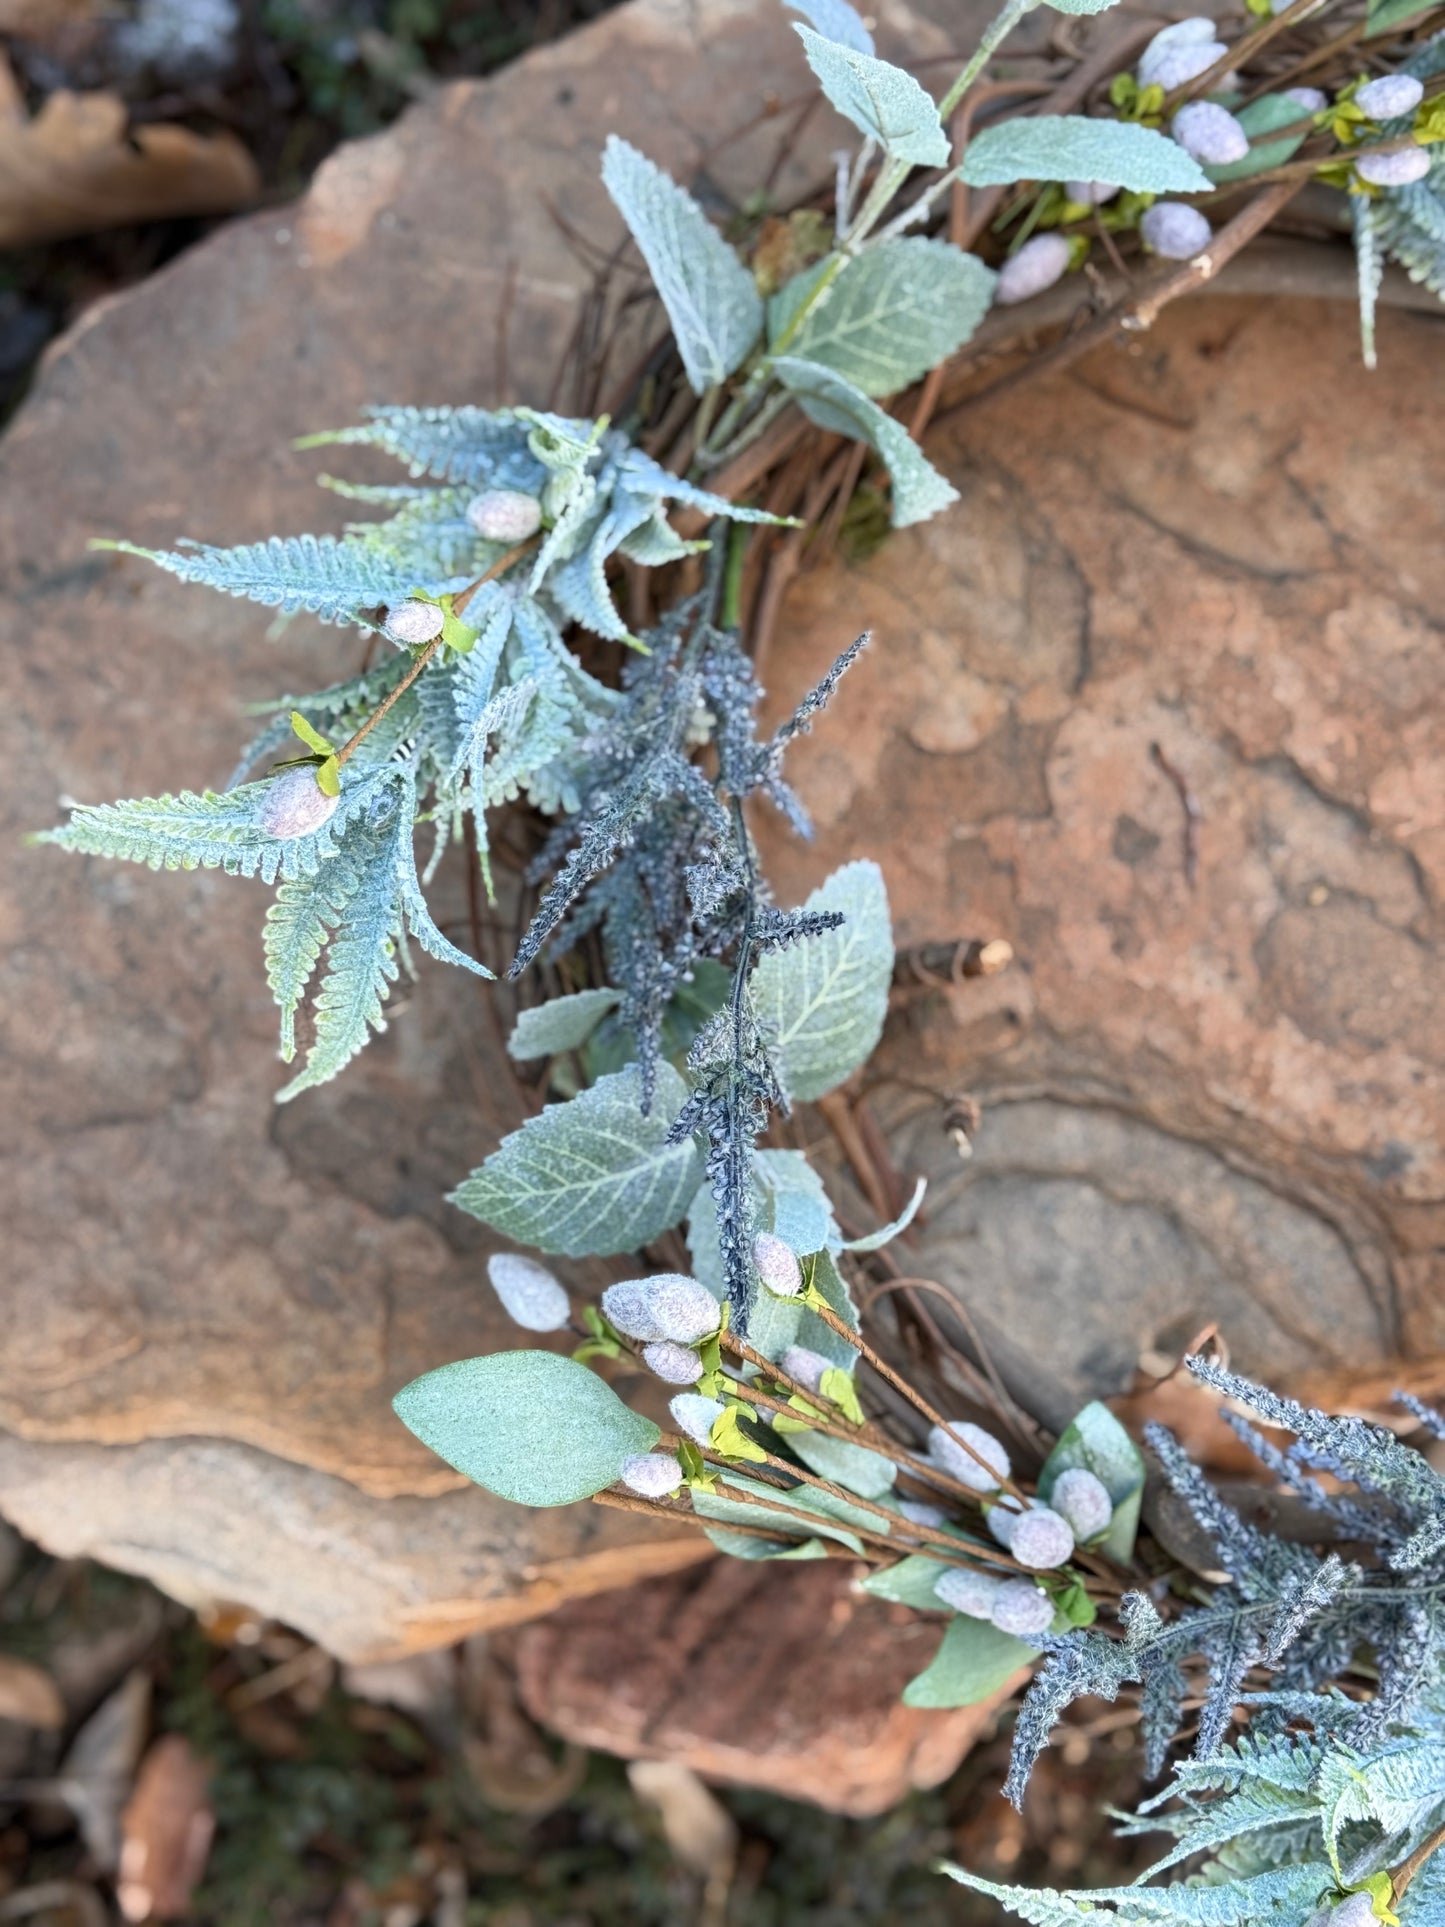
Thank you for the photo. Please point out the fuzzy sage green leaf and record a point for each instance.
(563, 1023)
(881, 101)
(592, 1176)
(530, 1426)
(1070, 147)
(825, 397)
(1096, 1442)
(973, 1661)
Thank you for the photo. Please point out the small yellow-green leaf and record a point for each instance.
(728, 1438)
(838, 1385)
(312, 738)
(328, 777)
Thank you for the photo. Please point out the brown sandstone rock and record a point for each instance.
(729, 1667)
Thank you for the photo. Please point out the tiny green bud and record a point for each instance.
(530, 1295)
(295, 804)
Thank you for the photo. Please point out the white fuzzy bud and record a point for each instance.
(1210, 133)
(1022, 1608)
(669, 1305)
(530, 1295)
(1179, 54)
(777, 1265)
(295, 804)
(652, 1474)
(950, 1457)
(1001, 1520)
(1084, 1501)
(1394, 170)
(505, 515)
(676, 1363)
(1175, 231)
(806, 1367)
(1041, 1539)
(1037, 265)
(1309, 98)
(919, 1514)
(1390, 97)
(1090, 193)
(971, 1593)
(414, 622)
(696, 1415)
(1357, 1911)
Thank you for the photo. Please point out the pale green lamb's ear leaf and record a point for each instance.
(562, 1023)
(881, 101)
(867, 1473)
(833, 403)
(800, 1519)
(1070, 147)
(822, 1001)
(532, 1427)
(794, 1204)
(876, 1240)
(715, 310)
(894, 312)
(593, 1176)
(973, 1661)
(1261, 117)
(836, 21)
(738, 1545)
(910, 1583)
(1095, 1441)
(1384, 16)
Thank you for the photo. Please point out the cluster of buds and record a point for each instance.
(1015, 1606)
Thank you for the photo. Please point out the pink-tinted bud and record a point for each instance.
(1309, 98)
(1090, 193)
(652, 1474)
(1022, 1608)
(1084, 1501)
(414, 622)
(919, 1514)
(505, 515)
(295, 804)
(696, 1415)
(777, 1265)
(1037, 265)
(950, 1456)
(1399, 169)
(1041, 1539)
(530, 1295)
(667, 1305)
(1001, 1520)
(971, 1593)
(1390, 97)
(1175, 231)
(1210, 133)
(806, 1367)
(676, 1363)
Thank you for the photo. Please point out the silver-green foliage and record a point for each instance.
(1069, 147)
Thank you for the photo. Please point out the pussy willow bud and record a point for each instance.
(949, 1456)
(919, 1514)
(1390, 97)
(1309, 98)
(505, 515)
(530, 1295)
(413, 622)
(1041, 1539)
(805, 1366)
(696, 1415)
(1001, 1520)
(971, 1593)
(1022, 1608)
(1394, 170)
(1357, 1911)
(667, 1305)
(652, 1474)
(1210, 133)
(1179, 53)
(295, 804)
(1037, 265)
(1090, 193)
(1175, 231)
(676, 1363)
(1084, 1501)
(777, 1265)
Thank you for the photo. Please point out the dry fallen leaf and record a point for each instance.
(29, 1695)
(168, 1829)
(75, 168)
(95, 1776)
